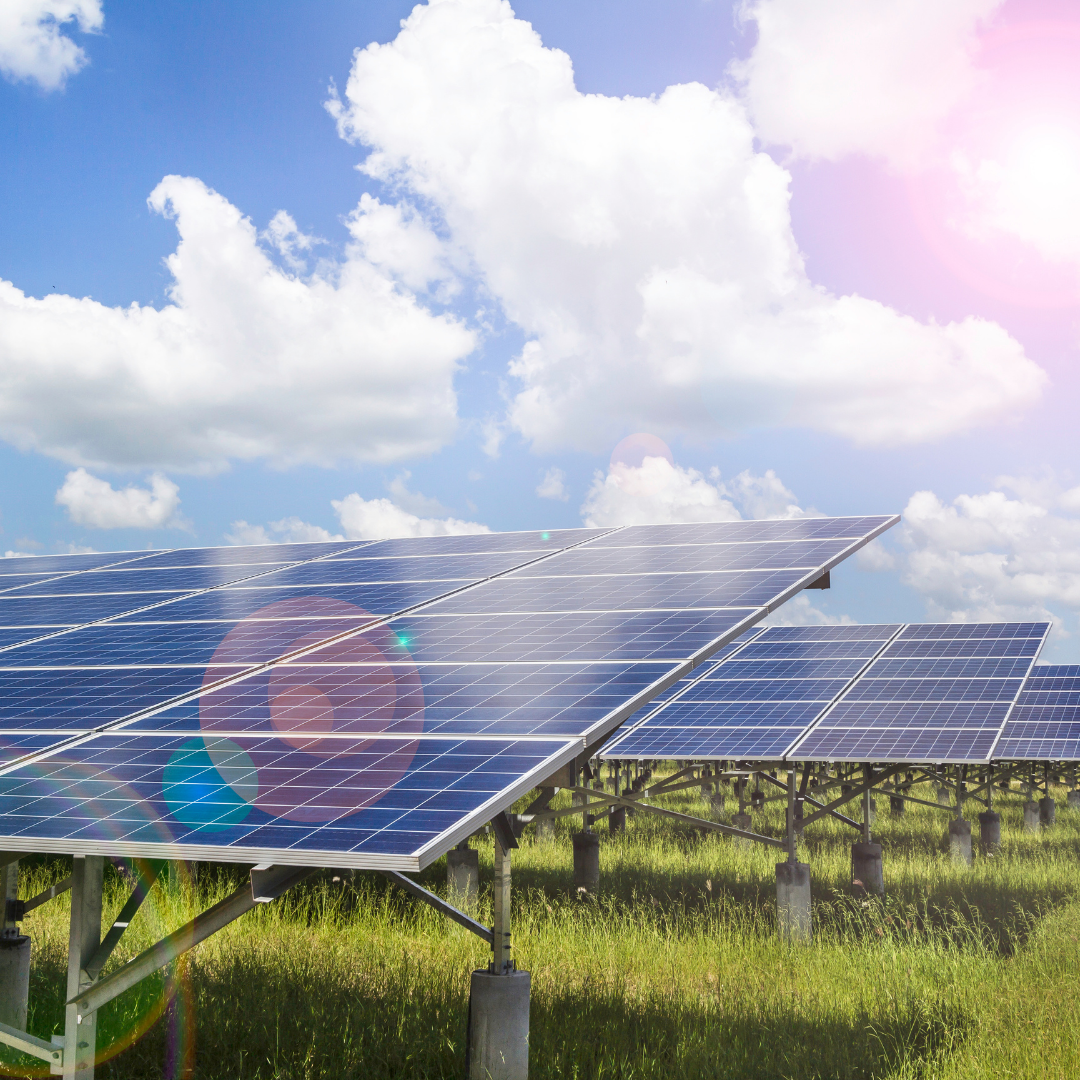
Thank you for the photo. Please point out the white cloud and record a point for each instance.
(840, 77)
(1010, 553)
(660, 491)
(645, 248)
(376, 519)
(32, 45)
(413, 501)
(875, 557)
(290, 530)
(17, 554)
(246, 362)
(95, 502)
(799, 611)
(283, 235)
(553, 485)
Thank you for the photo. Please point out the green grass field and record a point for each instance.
(675, 970)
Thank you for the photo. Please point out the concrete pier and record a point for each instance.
(463, 877)
(617, 819)
(944, 796)
(1073, 801)
(498, 1037)
(896, 805)
(989, 832)
(866, 872)
(793, 919)
(960, 841)
(1031, 816)
(742, 821)
(1047, 811)
(587, 863)
(14, 980)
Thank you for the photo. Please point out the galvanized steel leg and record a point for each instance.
(80, 1035)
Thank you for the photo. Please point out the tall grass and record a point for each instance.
(675, 970)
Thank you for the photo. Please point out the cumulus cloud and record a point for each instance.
(799, 611)
(290, 530)
(247, 361)
(645, 248)
(361, 519)
(33, 47)
(659, 491)
(553, 485)
(95, 502)
(840, 77)
(376, 519)
(1010, 553)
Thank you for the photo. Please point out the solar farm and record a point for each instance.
(496, 749)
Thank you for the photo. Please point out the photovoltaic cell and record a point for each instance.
(749, 706)
(933, 706)
(464, 671)
(1045, 725)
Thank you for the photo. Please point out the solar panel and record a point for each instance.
(758, 701)
(378, 704)
(937, 693)
(1045, 725)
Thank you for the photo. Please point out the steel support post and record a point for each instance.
(80, 1031)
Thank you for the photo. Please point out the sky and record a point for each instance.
(299, 271)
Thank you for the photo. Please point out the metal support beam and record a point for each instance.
(853, 794)
(813, 802)
(80, 1024)
(697, 823)
(51, 1053)
(868, 777)
(501, 961)
(267, 883)
(439, 904)
(50, 893)
(147, 874)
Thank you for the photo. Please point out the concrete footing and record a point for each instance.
(1073, 801)
(960, 841)
(617, 819)
(896, 805)
(989, 832)
(793, 901)
(866, 873)
(498, 1038)
(742, 821)
(463, 877)
(14, 980)
(587, 862)
(545, 830)
(944, 797)
(1031, 816)
(1047, 811)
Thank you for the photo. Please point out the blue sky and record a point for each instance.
(825, 292)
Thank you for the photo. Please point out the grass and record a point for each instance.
(675, 971)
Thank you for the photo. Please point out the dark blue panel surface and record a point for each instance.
(849, 632)
(867, 689)
(17, 744)
(731, 532)
(231, 604)
(625, 593)
(265, 554)
(973, 630)
(968, 668)
(697, 558)
(175, 581)
(717, 689)
(655, 742)
(399, 698)
(361, 797)
(810, 650)
(952, 648)
(83, 699)
(349, 571)
(549, 636)
(537, 542)
(70, 564)
(72, 610)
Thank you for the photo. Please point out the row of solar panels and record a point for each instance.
(354, 704)
(946, 692)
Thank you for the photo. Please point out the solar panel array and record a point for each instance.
(1045, 725)
(354, 704)
(890, 693)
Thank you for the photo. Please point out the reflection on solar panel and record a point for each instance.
(359, 704)
(937, 693)
(758, 701)
(1045, 725)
